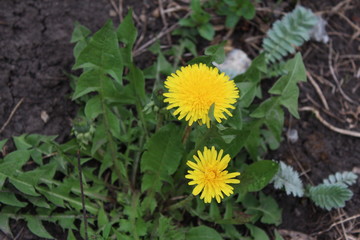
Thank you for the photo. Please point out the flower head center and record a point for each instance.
(201, 100)
(210, 174)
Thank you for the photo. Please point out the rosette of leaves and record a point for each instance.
(332, 193)
(199, 19)
(234, 10)
(289, 32)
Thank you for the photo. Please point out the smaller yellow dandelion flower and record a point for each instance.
(194, 88)
(209, 175)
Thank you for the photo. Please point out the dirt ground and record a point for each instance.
(36, 54)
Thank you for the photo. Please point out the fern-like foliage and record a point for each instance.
(288, 179)
(346, 178)
(328, 196)
(292, 30)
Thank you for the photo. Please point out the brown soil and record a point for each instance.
(36, 54)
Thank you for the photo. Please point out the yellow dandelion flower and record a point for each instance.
(194, 88)
(209, 175)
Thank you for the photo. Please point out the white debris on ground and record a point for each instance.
(236, 63)
(318, 33)
(292, 135)
(44, 116)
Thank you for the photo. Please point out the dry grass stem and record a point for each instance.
(269, 10)
(318, 90)
(151, 41)
(163, 18)
(332, 71)
(328, 125)
(11, 115)
(118, 8)
(337, 223)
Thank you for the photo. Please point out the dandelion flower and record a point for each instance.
(209, 175)
(194, 88)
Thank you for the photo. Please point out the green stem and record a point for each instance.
(111, 142)
(134, 208)
(136, 162)
(142, 118)
(160, 118)
(186, 134)
(180, 172)
(141, 141)
(182, 203)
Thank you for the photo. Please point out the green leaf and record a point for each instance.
(257, 233)
(10, 199)
(247, 93)
(141, 227)
(137, 82)
(103, 52)
(211, 113)
(18, 158)
(127, 34)
(232, 231)
(248, 10)
(36, 227)
(4, 224)
(291, 31)
(163, 155)
(238, 142)
(270, 210)
(99, 138)
(257, 175)
(13, 162)
(346, 178)
(214, 53)
(102, 218)
(187, 22)
(270, 139)
(149, 203)
(214, 211)
(254, 73)
(277, 235)
(287, 87)
(189, 45)
(80, 32)
(61, 194)
(125, 225)
(88, 82)
(233, 217)
(152, 180)
(2, 143)
(217, 52)
(112, 122)
(231, 20)
(21, 142)
(23, 186)
(328, 196)
(274, 120)
(93, 107)
(252, 143)
(288, 179)
(163, 66)
(207, 31)
(38, 201)
(127, 31)
(203, 233)
(70, 235)
(265, 107)
(32, 177)
(164, 225)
